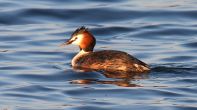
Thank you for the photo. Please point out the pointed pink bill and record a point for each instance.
(66, 43)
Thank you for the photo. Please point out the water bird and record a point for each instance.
(105, 60)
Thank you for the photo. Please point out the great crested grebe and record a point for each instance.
(106, 60)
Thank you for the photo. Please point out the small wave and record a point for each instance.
(174, 68)
(89, 15)
(190, 44)
(179, 58)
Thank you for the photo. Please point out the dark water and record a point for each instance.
(35, 74)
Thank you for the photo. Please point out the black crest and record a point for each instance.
(80, 30)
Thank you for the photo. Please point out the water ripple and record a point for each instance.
(36, 73)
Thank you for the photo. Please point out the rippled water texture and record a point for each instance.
(35, 74)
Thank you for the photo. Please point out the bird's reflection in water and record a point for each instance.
(116, 78)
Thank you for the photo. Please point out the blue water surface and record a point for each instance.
(35, 73)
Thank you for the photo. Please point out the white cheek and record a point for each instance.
(78, 40)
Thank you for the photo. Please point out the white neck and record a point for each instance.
(82, 52)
